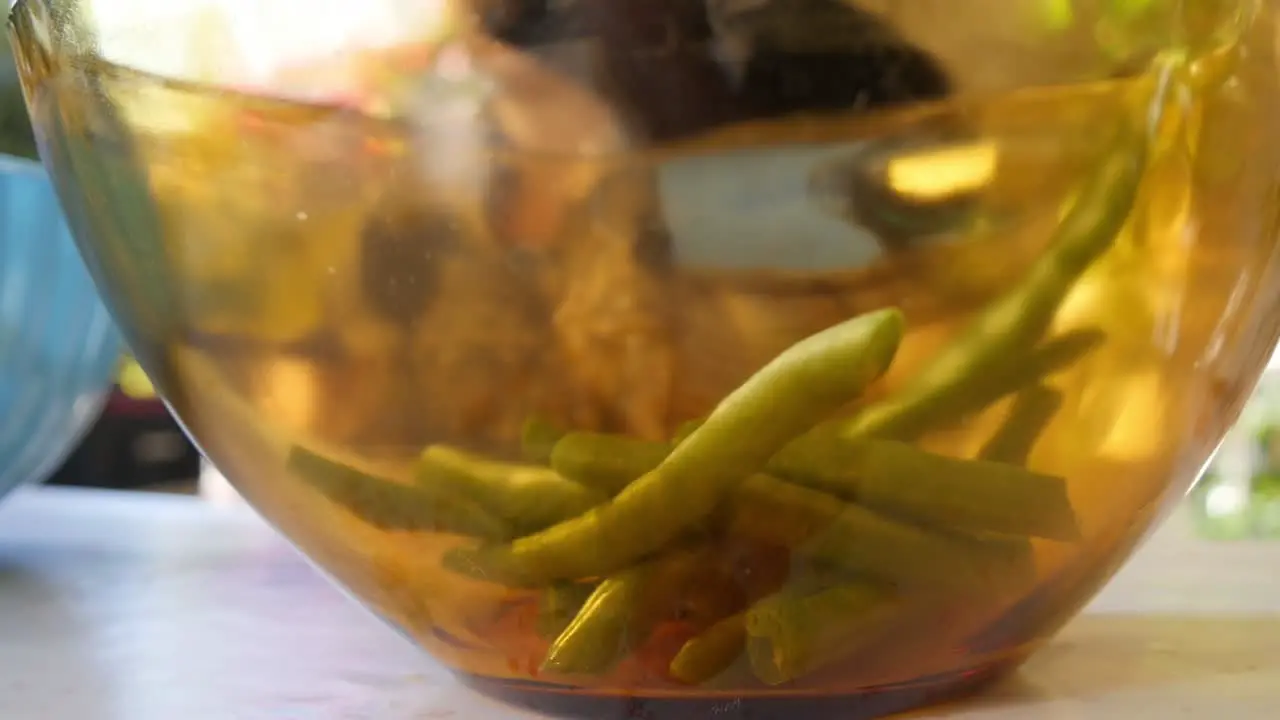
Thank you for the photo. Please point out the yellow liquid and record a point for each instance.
(629, 294)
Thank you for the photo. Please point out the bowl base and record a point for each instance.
(874, 702)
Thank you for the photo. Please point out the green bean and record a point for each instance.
(1024, 370)
(795, 632)
(942, 390)
(917, 556)
(391, 505)
(802, 385)
(620, 613)
(537, 438)
(828, 532)
(604, 630)
(685, 430)
(559, 603)
(527, 498)
(935, 490)
(710, 652)
(1031, 413)
(606, 462)
(900, 479)
(775, 512)
(1013, 441)
(1014, 556)
(827, 462)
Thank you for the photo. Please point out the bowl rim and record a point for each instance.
(14, 164)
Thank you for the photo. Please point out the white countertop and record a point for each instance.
(121, 606)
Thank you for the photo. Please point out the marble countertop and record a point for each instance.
(123, 606)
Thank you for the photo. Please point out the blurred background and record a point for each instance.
(134, 445)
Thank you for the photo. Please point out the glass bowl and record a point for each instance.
(682, 357)
(58, 346)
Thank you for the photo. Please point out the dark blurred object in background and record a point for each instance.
(16, 137)
(135, 445)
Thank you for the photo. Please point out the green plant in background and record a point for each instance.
(1238, 496)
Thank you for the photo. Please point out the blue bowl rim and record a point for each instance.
(10, 163)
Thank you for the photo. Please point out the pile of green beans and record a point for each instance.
(612, 531)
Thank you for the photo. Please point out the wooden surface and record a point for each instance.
(122, 606)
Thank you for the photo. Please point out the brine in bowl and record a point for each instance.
(687, 357)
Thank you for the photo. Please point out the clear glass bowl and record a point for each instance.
(746, 358)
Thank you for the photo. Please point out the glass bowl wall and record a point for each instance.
(499, 310)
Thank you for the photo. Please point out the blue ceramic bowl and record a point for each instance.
(58, 346)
